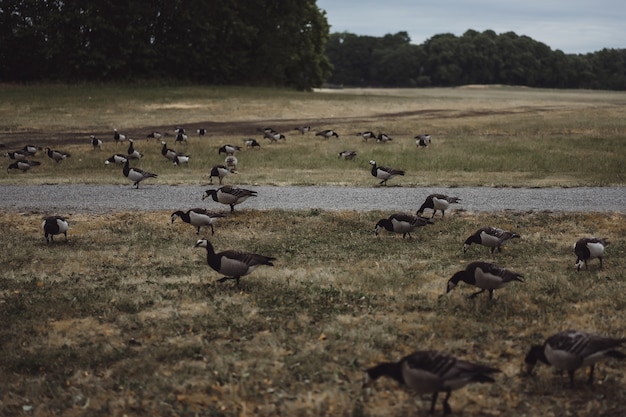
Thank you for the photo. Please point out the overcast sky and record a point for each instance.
(573, 26)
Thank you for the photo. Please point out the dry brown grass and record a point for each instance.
(126, 318)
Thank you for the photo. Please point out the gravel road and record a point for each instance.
(106, 198)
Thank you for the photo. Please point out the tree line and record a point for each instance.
(268, 43)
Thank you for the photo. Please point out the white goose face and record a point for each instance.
(451, 285)
(174, 217)
(579, 264)
(201, 243)
(372, 162)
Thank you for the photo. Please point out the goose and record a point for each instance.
(437, 202)
(274, 136)
(132, 153)
(180, 159)
(167, 152)
(231, 162)
(31, 149)
(201, 131)
(492, 237)
(19, 155)
(347, 155)
(367, 135)
(382, 138)
(154, 135)
(252, 143)
(303, 129)
(422, 140)
(96, 143)
(181, 137)
(484, 275)
(118, 137)
(135, 174)
(589, 248)
(570, 350)
(229, 195)
(179, 129)
(23, 166)
(198, 217)
(54, 225)
(118, 158)
(401, 223)
(219, 171)
(431, 372)
(228, 149)
(56, 155)
(384, 173)
(233, 264)
(328, 133)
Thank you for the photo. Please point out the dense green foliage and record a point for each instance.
(474, 58)
(269, 42)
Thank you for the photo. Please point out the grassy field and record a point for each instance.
(127, 319)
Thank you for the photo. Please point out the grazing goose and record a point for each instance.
(219, 171)
(54, 225)
(589, 248)
(431, 372)
(96, 143)
(492, 237)
(23, 165)
(233, 264)
(303, 129)
(229, 195)
(437, 202)
(274, 136)
(118, 158)
(384, 173)
(328, 133)
(154, 135)
(572, 349)
(484, 275)
(56, 155)
(382, 138)
(367, 135)
(118, 137)
(201, 131)
(181, 159)
(228, 149)
(252, 143)
(347, 155)
(231, 162)
(198, 217)
(132, 153)
(31, 149)
(135, 174)
(401, 223)
(19, 155)
(181, 137)
(167, 152)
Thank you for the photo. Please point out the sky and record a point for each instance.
(572, 26)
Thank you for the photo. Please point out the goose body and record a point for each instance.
(136, 175)
(230, 196)
(432, 372)
(57, 156)
(382, 138)
(437, 202)
(384, 173)
(198, 217)
(23, 166)
(367, 135)
(19, 155)
(228, 149)
(492, 237)
(31, 149)
(201, 131)
(154, 135)
(168, 153)
(303, 129)
(118, 137)
(348, 155)
(484, 275)
(132, 153)
(219, 171)
(422, 140)
(54, 225)
(118, 158)
(589, 248)
(328, 133)
(401, 223)
(231, 162)
(96, 143)
(252, 143)
(180, 159)
(572, 349)
(233, 264)
(181, 137)
(273, 136)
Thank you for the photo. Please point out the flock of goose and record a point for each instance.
(423, 372)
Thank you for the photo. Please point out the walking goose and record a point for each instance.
(229, 195)
(367, 135)
(384, 173)
(437, 202)
(154, 135)
(54, 225)
(23, 165)
(56, 155)
(303, 129)
(198, 217)
(484, 275)
(233, 264)
(96, 143)
(492, 237)
(118, 158)
(118, 137)
(589, 248)
(573, 349)
(135, 174)
(401, 223)
(167, 152)
(432, 372)
(328, 133)
(219, 171)
(348, 155)
(132, 153)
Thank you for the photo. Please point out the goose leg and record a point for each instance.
(446, 407)
(476, 293)
(433, 402)
(590, 380)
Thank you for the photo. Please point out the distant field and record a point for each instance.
(501, 136)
